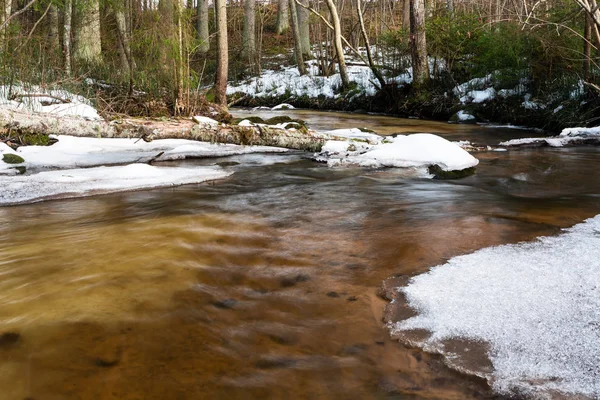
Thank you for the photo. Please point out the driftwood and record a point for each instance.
(22, 122)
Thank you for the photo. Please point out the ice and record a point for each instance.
(417, 150)
(536, 304)
(566, 137)
(283, 106)
(74, 152)
(89, 181)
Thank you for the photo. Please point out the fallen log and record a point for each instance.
(22, 122)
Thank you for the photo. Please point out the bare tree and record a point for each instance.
(220, 87)
(297, 39)
(304, 28)
(88, 49)
(283, 23)
(202, 26)
(337, 40)
(418, 43)
(66, 36)
(249, 33)
(363, 30)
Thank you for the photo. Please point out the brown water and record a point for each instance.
(263, 285)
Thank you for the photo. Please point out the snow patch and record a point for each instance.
(89, 181)
(536, 304)
(417, 150)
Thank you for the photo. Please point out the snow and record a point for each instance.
(48, 101)
(417, 150)
(479, 96)
(464, 116)
(566, 137)
(75, 152)
(88, 181)
(283, 106)
(353, 133)
(536, 304)
(205, 120)
(7, 169)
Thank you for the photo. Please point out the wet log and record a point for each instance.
(22, 122)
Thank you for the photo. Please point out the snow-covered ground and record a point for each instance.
(37, 99)
(75, 152)
(412, 151)
(86, 181)
(566, 137)
(536, 304)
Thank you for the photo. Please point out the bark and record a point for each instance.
(587, 46)
(418, 43)
(202, 33)
(303, 26)
(179, 60)
(220, 87)
(297, 40)
(4, 15)
(66, 37)
(53, 36)
(283, 19)
(368, 46)
(123, 36)
(249, 33)
(38, 123)
(339, 49)
(406, 14)
(88, 49)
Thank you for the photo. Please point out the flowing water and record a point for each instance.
(262, 285)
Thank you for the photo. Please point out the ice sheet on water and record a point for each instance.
(537, 304)
(87, 181)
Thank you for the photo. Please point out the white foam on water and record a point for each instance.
(536, 304)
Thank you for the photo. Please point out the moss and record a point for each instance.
(283, 119)
(12, 159)
(366, 130)
(253, 119)
(439, 173)
(21, 169)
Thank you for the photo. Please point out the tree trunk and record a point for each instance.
(53, 36)
(406, 14)
(66, 37)
(4, 15)
(178, 94)
(303, 26)
(418, 44)
(297, 40)
(220, 87)
(283, 21)
(249, 34)
(339, 49)
(587, 47)
(363, 30)
(202, 33)
(88, 48)
(39, 123)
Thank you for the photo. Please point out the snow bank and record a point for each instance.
(536, 304)
(353, 133)
(417, 150)
(37, 99)
(74, 152)
(567, 136)
(89, 181)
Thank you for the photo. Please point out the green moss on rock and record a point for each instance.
(439, 173)
(12, 159)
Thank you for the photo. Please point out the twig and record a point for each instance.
(16, 14)
(16, 96)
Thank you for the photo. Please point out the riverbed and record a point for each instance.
(264, 284)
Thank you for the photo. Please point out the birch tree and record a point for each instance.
(66, 36)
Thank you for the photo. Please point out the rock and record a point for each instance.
(439, 173)
(12, 159)
(226, 304)
(9, 339)
(333, 294)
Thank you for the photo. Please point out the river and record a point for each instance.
(262, 285)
